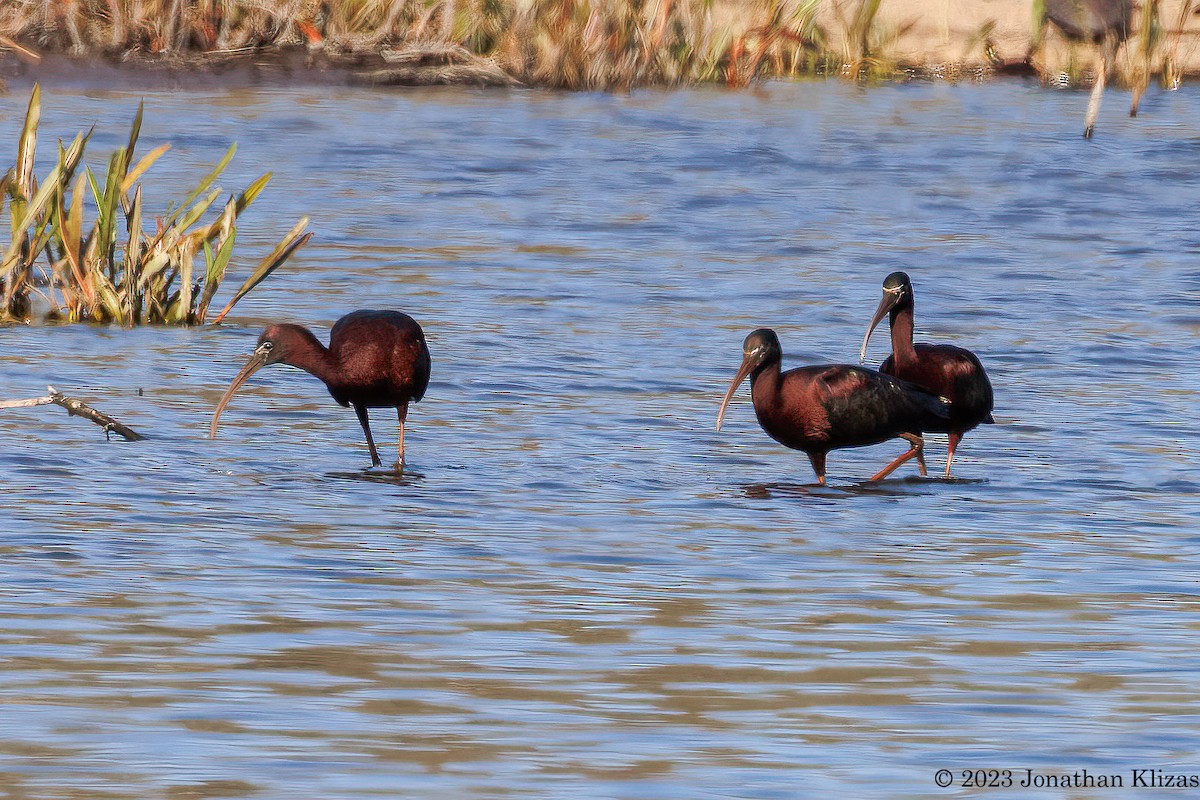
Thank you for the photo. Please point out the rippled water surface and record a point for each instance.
(580, 588)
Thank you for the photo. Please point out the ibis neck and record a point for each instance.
(764, 383)
(315, 359)
(903, 351)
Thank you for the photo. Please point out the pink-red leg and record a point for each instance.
(955, 438)
(916, 446)
(402, 413)
(818, 465)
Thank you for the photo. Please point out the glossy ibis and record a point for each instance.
(1101, 22)
(948, 371)
(375, 359)
(823, 408)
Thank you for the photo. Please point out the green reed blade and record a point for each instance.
(217, 263)
(133, 252)
(252, 191)
(182, 311)
(140, 169)
(35, 207)
(110, 304)
(202, 187)
(151, 269)
(134, 131)
(197, 211)
(106, 212)
(27, 143)
(216, 273)
(288, 245)
(72, 232)
(94, 186)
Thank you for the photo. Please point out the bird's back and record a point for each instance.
(840, 405)
(953, 373)
(383, 358)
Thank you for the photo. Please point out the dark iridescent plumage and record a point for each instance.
(833, 406)
(375, 359)
(947, 371)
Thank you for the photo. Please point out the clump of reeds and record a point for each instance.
(574, 44)
(863, 49)
(113, 269)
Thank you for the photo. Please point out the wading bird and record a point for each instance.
(948, 371)
(823, 408)
(375, 359)
(1101, 22)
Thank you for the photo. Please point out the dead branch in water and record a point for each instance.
(76, 408)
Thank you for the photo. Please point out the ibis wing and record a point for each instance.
(842, 380)
(874, 406)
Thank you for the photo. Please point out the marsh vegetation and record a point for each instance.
(571, 44)
(83, 247)
(583, 44)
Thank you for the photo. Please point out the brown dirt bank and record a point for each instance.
(557, 43)
(437, 66)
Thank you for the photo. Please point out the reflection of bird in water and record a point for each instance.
(818, 409)
(948, 371)
(375, 359)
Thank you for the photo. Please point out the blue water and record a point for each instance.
(579, 588)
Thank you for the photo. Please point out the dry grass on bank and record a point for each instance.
(589, 44)
(574, 44)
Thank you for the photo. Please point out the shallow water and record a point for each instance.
(580, 588)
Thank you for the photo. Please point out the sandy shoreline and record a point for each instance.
(948, 31)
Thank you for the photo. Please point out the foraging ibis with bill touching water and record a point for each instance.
(375, 359)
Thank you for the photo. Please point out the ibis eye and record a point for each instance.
(267, 345)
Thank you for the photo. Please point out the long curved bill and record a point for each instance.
(885, 305)
(743, 371)
(256, 362)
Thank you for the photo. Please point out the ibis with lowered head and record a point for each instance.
(375, 359)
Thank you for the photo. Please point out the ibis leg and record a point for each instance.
(955, 438)
(818, 465)
(402, 413)
(1108, 54)
(916, 445)
(361, 411)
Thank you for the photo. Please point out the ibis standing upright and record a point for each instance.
(823, 408)
(375, 359)
(948, 371)
(1105, 23)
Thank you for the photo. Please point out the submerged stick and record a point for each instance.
(76, 408)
